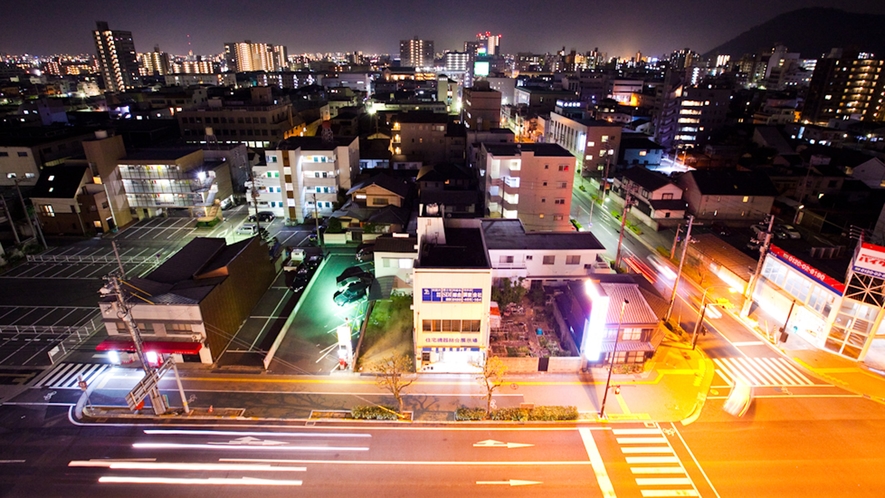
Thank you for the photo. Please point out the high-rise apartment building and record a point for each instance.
(846, 86)
(481, 107)
(116, 57)
(248, 56)
(416, 53)
(531, 181)
(154, 63)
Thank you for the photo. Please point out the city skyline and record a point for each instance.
(203, 29)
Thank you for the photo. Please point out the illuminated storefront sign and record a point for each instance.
(807, 270)
(595, 325)
(870, 261)
(451, 295)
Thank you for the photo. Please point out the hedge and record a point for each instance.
(371, 412)
(464, 413)
(538, 413)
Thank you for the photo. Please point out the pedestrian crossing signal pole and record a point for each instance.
(751, 286)
(614, 355)
(124, 313)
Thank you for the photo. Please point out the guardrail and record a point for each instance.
(50, 258)
(76, 336)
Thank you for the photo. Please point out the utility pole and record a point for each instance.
(316, 218)
(628, 203)
(681, 263)
(614, 354)
(675, 241)
(123, 312)
(763, 250)
(18, 241)
(37, 233)
(605, 173)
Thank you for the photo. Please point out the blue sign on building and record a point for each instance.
(451, 295)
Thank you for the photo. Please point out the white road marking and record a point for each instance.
(457, 463)
(605, 483)
(215, 481)
(181, 432)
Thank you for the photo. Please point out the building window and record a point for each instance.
(557, 217)
(379, 201)
(559, 201)
(505, 259)
(549, 260)
(4, 154)
(631, 334)
(563, 167)
(46, 210)
(746, 198)
(573, 260)
(22, 154)
(563, 184)
(543, 184)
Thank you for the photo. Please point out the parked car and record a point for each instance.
(352, 275)
(720, 228)
(759, 228)
(249, 229)
(787, 232)
(263, 216)
(351, 294)
(365, 252)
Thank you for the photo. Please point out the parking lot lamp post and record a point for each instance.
(611, 366)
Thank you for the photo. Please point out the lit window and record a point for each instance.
(746, 199)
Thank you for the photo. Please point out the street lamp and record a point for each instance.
(798, 213)
(614, 354)
(701, 313)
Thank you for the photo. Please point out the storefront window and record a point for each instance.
(821, 300)
(851, 328)
(797, 286)
(450, 325)
(774, 271)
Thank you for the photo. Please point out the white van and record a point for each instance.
(249, 229)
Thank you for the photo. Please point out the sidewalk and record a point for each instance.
(671, 388)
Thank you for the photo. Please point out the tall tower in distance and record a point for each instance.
(416, 53)
(116, 56)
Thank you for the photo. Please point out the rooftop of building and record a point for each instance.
(463, 249)
(538, 149)
(504, 234)
(315, 143)
(733, 182)
(59, 182)
(649, 180)
(164, 154)
(421, 117)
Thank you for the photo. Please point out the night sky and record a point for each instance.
(618, 27)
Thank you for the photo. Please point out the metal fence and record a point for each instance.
(52, 258)
(72, 335)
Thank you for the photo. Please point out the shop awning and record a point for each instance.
(627, 346)
(162, 347)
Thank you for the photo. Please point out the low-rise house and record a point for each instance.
(728, 194)
(658, 201)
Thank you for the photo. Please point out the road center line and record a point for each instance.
(411, 462)
(605, 484)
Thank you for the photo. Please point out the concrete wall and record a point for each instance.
(563, 364)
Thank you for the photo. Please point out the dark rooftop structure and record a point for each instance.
(503, 233)
(732, 182)
(160, 154)
(463, 249)
(539, 149)
(314, 143)
(59, 182)
(649, 180)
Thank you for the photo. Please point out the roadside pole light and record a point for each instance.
(35, 231)
(702, 312)
(614, 354)
(798, 214)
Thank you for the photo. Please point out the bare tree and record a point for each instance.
(390, 376)
(491, 378)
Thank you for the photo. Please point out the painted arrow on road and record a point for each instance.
(511, 482)
(491, 443)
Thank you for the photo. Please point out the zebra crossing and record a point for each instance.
(653, 462)
(67, 375)
(761, 372)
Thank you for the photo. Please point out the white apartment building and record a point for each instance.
(590, 141)
(303, 176)
(532, 182)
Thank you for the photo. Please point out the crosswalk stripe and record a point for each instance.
(663, 481)
(655, 493)
(648, 449)
(651, 459)
(761, 372)
(792, 370)
(657, 470)
(642, 440)
(57, 373)
(635, 432)
(766, 370)
(67, 375)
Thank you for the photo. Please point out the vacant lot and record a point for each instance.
(388, 332)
